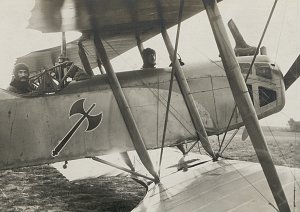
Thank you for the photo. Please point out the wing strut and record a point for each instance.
(139, 44)
(99, 61)
(132, 7)
(83, 57)
(185, 90)
(121, 168)
(63, 45)
(125, 109)
(171, 87)
(243, 101)
(127, 160)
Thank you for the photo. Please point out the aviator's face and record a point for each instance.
(151, 59)
(23, 75)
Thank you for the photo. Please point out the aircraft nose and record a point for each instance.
(276, 70)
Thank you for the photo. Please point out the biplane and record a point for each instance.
(153, 108)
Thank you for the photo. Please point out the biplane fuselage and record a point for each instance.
(32, 126)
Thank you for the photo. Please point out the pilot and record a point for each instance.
(20, 80)
(149, 58)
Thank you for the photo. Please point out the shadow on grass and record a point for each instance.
(43, 188)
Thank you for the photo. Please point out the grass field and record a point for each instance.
(43, 188)
(283, 145)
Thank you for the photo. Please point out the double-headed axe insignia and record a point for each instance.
(93, 122)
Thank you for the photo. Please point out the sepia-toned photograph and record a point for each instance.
(150, 105)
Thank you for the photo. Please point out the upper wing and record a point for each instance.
(111, 18)
(119, 22)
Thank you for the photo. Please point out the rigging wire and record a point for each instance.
(265, 97)
(93, 57)
(121, 168)
(90, 54)
(261, 39)
(158, 96)
(296, 183)
(282, 155)
(157, 109)
(255, 99)
(280, 34)
(294, 194)
(231, 117)
(252, 63)
(230, 139)
(171, 82)
(118, 54)
(246, 80)
(176, 115)
(227, 127)
(199, 149)
(256, 189)
(191, 147)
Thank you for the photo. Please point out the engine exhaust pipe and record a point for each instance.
(241, 47)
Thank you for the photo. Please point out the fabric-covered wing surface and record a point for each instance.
(226, 185)
(46, 58)
(109, 17)
(119, 22)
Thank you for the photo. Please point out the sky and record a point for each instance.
(196, 40)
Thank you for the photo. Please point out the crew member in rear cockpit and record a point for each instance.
(149, 58)
(20, 80)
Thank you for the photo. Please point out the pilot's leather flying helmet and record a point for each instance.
(148, 51)
(18, 67)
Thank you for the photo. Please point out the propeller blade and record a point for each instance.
(293, 73)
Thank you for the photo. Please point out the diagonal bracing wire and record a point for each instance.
(255, 188)
(171, 82)
(251, 65)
